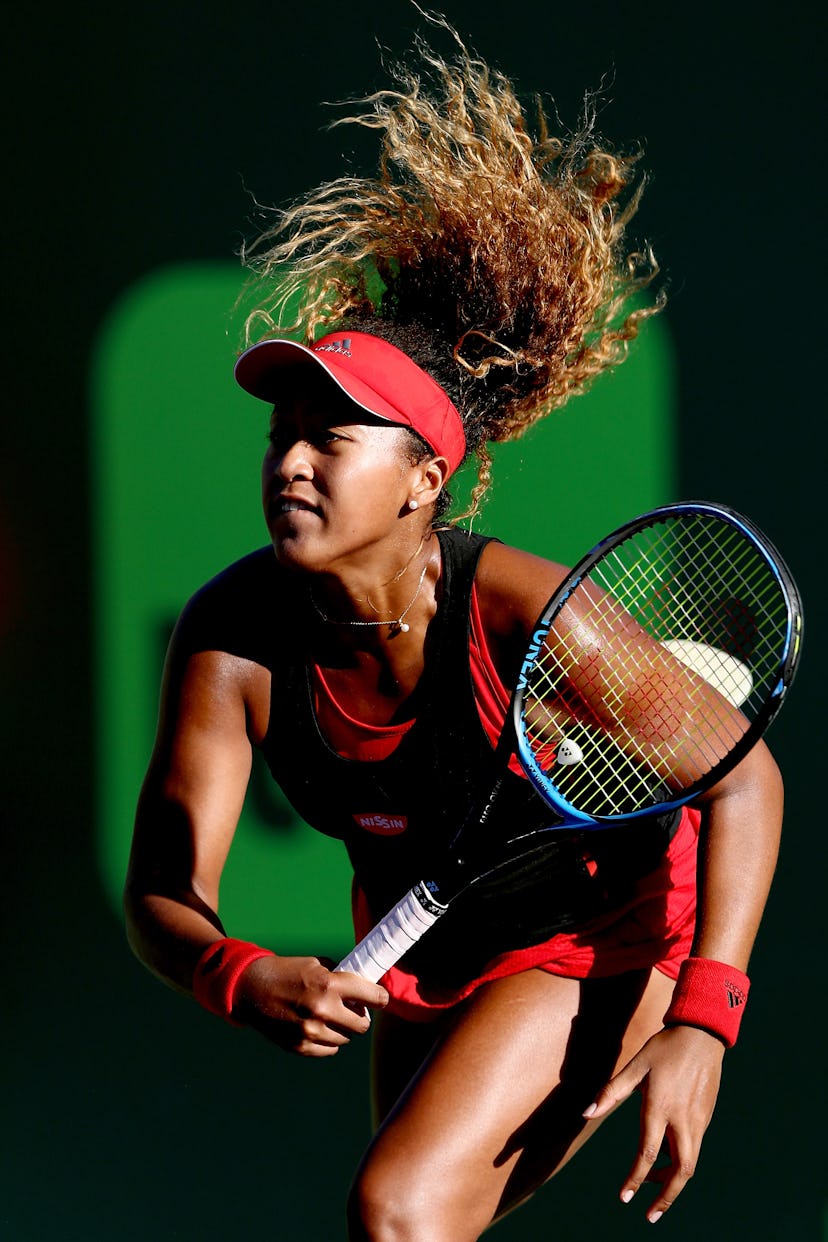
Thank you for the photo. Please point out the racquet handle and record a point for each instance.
(394, 935)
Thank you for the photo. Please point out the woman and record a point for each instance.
(475, 285)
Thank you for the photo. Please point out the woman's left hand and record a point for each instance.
(678, 1072)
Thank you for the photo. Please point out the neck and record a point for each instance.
(384, 602)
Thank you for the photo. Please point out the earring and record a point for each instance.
(413, 504)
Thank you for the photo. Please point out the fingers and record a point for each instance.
(298, 1003)
(652, 1144)
(618, 1089)
(356, 998)
(662, 1169)
(655, 1142)
(315, 1039)
(677, 1072)
(333, 1010)
(309, 1035)
(359, 991)
(680, 1150)
(336, 1007)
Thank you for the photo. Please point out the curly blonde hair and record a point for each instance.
(493, 256)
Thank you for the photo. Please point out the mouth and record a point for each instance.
(280, 506)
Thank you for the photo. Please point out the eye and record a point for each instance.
(325, 436)
(281, 438)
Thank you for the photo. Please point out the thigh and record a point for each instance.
(494, 1109)
(398, 1049)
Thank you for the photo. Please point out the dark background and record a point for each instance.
(132, 134)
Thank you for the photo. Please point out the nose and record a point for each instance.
(290, 461)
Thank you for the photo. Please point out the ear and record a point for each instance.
(428, 481)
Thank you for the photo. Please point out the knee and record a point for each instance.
(387, 1206)
(380, 1210)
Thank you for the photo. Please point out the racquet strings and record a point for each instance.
(656, 665)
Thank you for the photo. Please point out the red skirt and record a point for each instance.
(654, 929)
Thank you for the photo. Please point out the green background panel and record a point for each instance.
(177, 450)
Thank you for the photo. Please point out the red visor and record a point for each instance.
(376, 375)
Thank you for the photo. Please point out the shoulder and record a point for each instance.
(256, 571)
(239, 611)
(513, 586)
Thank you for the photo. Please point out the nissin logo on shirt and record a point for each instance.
(383, 825)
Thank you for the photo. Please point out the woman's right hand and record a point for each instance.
(303, 1006)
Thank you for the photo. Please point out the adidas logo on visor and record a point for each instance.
(335, 347)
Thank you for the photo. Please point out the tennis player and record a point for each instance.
(369, 650)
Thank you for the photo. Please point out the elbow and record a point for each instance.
(765, 778)
(135, 920)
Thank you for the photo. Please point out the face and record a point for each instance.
(334, 480)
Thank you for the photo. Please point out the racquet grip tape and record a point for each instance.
(402, 927)
(710, 995)
(218, 971)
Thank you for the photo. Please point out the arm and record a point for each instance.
(678, 1070)
(187, 814)
(186, 819)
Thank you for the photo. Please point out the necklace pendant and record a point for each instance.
(400, 626)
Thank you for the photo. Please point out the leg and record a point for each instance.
(495, 1108)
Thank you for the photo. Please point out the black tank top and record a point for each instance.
(396, 815)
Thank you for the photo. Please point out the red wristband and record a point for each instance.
(218, 971)
(710, 995)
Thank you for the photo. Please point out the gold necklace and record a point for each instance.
(398, 625)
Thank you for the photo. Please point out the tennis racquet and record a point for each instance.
(653, 669)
